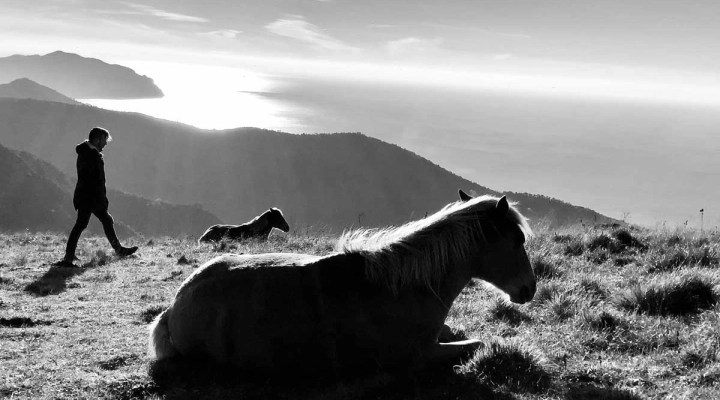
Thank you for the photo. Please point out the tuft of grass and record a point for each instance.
(562, 306)
(627, 240)
(20, 260)
(133, 388)
(605, 321)
(501, 310)
(98, 260)
(602, 241)
(183, 260)
(574, 248)
(686, 295)
(546, 292)
(173, 275)
(509, 366)
(592, 285)
(118, 362)
(148, 315)
(673, 241)
(562, 238)
(545, 269)
(698, 358)
(101, 276)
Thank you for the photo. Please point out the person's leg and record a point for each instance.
(108, 226)
(83, 217)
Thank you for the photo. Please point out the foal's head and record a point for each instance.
(505, 263)
(277, 220)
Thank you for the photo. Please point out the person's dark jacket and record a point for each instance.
(90, 192)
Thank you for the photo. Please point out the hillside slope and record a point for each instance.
(24, 88)
(79, 77)
(322, 181)
(35, 195)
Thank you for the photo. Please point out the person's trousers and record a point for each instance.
(83, 218)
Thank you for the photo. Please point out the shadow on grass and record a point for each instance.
(585, 391)
(54, 281)
(182, 379)
(22, 322)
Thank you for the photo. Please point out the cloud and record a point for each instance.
(223, 34)
(412, 46)
(141, 9)
(297, 28)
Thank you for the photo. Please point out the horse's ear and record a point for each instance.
(464, 196)
(502, 207)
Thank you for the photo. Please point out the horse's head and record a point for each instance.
(277, 220)
(504, 263)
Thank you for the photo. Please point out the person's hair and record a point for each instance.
(98, 132)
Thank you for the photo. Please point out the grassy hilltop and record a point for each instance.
(619, 314)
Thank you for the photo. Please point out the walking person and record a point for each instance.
(90, 195)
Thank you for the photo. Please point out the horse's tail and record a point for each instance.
(160, 344)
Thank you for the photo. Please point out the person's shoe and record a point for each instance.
(125, 251)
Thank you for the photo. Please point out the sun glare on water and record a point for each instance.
(207, 97)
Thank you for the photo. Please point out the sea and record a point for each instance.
(652, 163)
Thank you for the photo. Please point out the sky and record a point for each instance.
(653, 49)
(580, 53)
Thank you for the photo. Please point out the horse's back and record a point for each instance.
(215, 233)
(275, 310)
(231, 308)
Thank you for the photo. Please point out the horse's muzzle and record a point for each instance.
(526, 294)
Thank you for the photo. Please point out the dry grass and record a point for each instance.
(619, 314)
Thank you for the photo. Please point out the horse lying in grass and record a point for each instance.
(380, 302)
(259, 227)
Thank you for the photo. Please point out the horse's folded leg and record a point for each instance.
(454, 351)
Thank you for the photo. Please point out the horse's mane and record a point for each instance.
(416, 253)
(264, 216)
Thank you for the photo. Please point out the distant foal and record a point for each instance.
(259, 227)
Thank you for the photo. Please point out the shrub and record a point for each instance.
(626, 239)
(687, 295)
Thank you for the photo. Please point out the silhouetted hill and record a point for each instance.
(322, 181)
(24, 88)
(79, 77)
(37, 196)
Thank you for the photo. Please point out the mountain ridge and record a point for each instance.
(321, 182)
(24, 88)
(79, 77)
